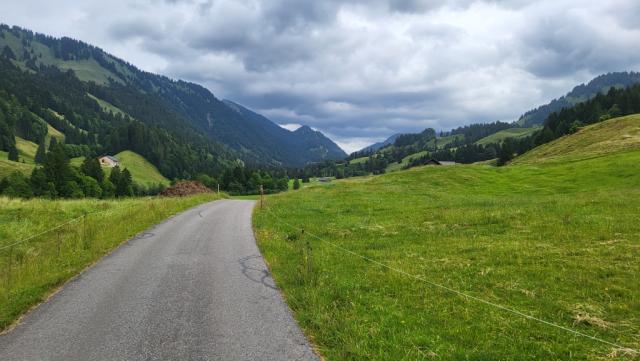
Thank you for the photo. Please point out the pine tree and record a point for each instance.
(91, 167)
(506, 152)
(53, 143)
(8, 53)
(57, 169)
(41, 152)
(114, 178)
(13, 154)
(296, 184)
(126, 183)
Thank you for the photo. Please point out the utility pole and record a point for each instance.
(218, 188)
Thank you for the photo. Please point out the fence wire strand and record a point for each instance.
(28, 238)
(459, 293)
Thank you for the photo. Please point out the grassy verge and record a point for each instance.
(556, 241)
(30, 270)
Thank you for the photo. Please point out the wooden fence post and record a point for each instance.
(261, 196)
(58, 242)
(9, 262)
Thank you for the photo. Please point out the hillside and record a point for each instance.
(141, 170)
(386, 250)
(375, 146)
(507, 133)
(579, 94)
(184, 109)
(610, 136)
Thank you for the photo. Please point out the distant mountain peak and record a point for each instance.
(305, 129)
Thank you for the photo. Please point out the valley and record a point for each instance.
(202, 229)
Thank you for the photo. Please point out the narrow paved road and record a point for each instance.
(192, 288)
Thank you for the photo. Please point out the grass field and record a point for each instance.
(556, 240)
(498, 137)
(38, 265)
(600, 139)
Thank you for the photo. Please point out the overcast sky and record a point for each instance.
(360, 70)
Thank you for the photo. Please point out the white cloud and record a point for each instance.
(290, 126)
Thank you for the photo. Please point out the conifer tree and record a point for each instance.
(41, 152)
(91, 167)
(13, 154)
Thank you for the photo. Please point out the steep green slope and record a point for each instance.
(141, 170)
(611, 136)
(7, 167)
(26, 150)
(508, 133)
(558, 241)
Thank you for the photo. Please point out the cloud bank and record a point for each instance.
(360, 70)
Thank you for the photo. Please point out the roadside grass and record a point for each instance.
(558, 241)
(29, 271)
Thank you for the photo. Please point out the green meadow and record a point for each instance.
(557, 240)
(33, 267)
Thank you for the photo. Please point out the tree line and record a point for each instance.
(55, 177)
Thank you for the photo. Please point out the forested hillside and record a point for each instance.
(579, 94)
(184, 110)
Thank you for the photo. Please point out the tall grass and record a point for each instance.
(69, 236)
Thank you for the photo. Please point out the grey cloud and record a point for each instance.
(362, 68)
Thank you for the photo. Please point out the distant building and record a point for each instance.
(438, 162)
(108, 161)
(324, 179)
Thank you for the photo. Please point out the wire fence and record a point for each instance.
(49, 257)
(307, 262)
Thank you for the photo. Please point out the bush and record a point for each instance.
(17, 185)
(90, 187)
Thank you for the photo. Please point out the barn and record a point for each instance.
(108, 161)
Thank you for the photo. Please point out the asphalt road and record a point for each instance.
(194, 287)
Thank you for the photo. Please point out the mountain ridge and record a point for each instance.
(580, 93)
(110, 77)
